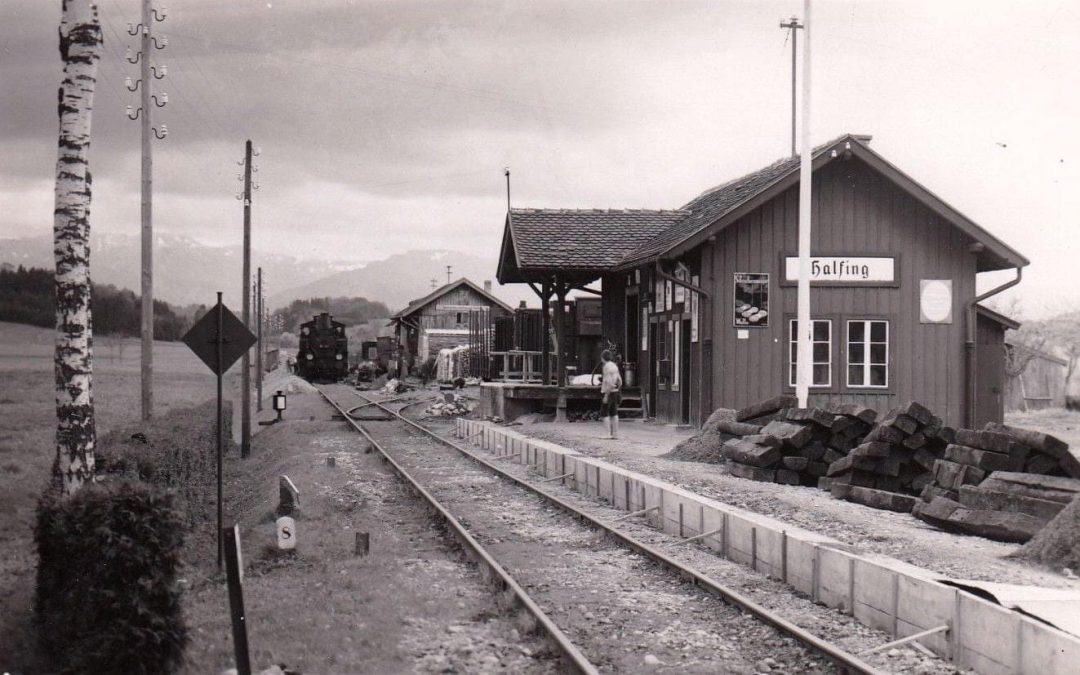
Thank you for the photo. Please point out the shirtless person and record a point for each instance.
(610, 383)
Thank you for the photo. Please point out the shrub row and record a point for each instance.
(107, 594)
(107, 597)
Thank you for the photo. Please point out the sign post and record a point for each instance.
(219, 339)
(234, 570)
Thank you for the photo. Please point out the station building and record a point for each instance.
(702, 299)
(448, 316)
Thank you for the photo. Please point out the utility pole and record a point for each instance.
(793, 26)
(507, 172)
(147, 74)
(448, 268)
(804, 371)
(259, 353)
(245, 366)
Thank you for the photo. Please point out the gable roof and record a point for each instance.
(997, 317)
(721, 206)
(586, 241)
(419, 303)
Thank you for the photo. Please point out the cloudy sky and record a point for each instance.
(384, 126)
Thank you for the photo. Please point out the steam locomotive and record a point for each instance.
(324, 350)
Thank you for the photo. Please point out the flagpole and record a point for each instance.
(805, 368)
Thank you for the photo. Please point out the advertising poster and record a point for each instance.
(751, 309)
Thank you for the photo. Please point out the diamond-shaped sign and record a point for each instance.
(235, 339)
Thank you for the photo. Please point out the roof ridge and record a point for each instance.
(555, 211)
(864, 138)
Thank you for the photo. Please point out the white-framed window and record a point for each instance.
(822, 349)
(868, 353)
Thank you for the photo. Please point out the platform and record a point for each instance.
(508, 400)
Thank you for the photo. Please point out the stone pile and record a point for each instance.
(451, 405)
(1000, 482)
(893, 462)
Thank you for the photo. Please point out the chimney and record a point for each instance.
(487, 285)
(522, 305)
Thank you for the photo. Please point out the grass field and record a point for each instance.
(27, 448)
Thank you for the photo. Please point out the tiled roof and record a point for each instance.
(714, 204)
(599, 241)
(418, 303)
(588, 239)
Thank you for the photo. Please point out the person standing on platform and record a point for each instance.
(610, 384)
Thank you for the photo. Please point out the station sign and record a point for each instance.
(844, 270)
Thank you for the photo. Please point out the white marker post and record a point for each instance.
(286, 533)
(804, 371)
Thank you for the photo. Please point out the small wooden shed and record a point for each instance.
(1035, 379)
(446, 317)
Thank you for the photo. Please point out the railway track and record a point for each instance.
(607, 601)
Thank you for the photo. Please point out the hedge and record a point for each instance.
(107, 598)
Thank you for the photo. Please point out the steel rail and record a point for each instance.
(844, 661)
(569, 650)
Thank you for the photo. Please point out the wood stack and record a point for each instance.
(1032, 476)
(893, 462)
(1007, 506)
(1047, 455)
(797, 445)
(766, 411)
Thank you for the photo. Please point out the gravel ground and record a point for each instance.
(898, 535)
(625, 612)
(414, 605)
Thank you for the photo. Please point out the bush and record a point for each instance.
(107, 598)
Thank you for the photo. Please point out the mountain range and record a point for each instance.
(189, 272)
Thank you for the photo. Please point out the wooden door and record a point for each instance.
(684, 376)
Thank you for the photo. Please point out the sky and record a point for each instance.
(385, 126)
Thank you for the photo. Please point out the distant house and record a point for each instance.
(444, 318)
(1036, 379)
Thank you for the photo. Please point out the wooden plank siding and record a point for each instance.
(432, 315)
(856, 212)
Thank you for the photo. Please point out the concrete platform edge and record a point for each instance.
(878, 591)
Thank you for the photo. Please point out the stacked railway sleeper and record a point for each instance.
(599, 594)
(1000, 482)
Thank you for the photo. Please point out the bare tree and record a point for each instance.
(80, 49)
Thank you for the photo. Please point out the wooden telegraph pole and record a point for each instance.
(147, 74)
(147, 288)
(245, 364)
(259, 336)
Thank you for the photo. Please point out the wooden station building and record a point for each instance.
(449, 316)
(702, 299)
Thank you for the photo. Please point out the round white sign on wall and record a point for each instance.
(935, 301)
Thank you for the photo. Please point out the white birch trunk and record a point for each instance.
(80, 48)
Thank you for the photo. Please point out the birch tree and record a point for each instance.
(80, 49)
